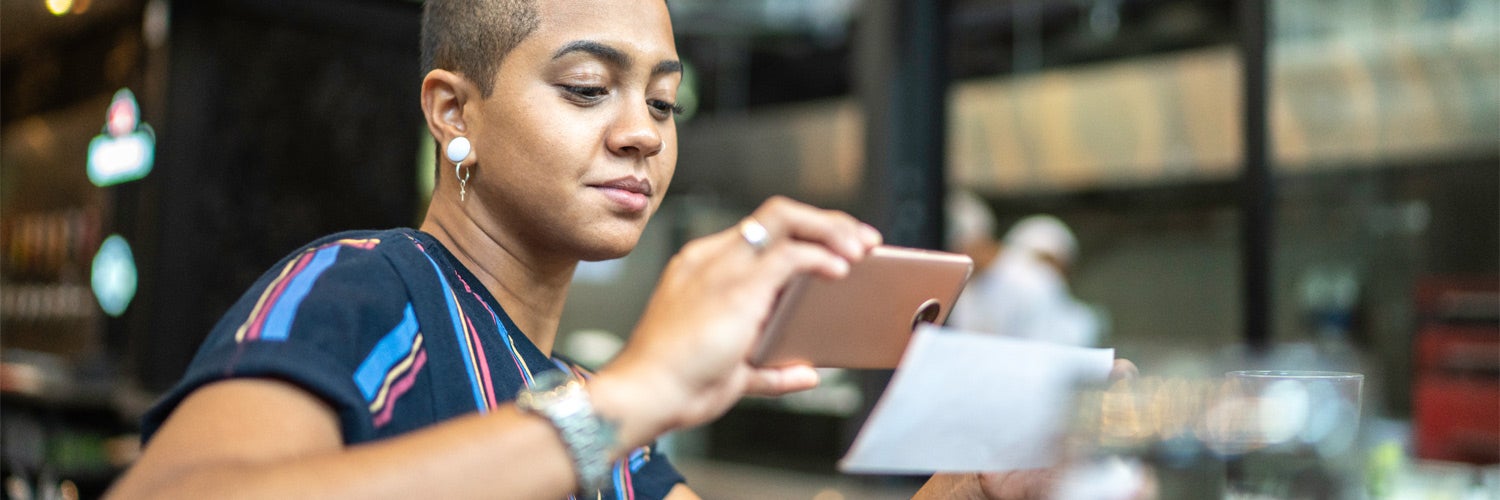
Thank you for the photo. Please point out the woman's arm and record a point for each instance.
(261, 438)
(265, 438)
(682, 492)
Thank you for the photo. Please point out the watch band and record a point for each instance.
(564, 402)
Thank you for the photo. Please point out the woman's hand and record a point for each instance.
(686, 362)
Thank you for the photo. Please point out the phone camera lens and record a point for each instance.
(927, 313)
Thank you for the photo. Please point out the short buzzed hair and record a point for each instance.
(470, 37)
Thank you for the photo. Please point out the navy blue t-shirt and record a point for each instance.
(395, 334)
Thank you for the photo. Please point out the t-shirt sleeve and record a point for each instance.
(653, 476)
(309, 321)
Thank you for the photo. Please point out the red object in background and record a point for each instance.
(1456, 392)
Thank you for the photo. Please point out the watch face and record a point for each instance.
(546, 389)
(550, 379)
(559, 397)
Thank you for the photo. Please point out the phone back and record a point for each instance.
(865, 319)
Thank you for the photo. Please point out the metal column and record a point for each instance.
(1257, 206)
(901, 75)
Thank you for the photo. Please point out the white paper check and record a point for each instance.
(963, 401)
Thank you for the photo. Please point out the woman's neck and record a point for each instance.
(531, 288)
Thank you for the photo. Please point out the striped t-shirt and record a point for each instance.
(393, 332)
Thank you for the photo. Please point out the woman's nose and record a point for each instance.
(636, 133)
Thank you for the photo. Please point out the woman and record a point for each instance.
(385, 364)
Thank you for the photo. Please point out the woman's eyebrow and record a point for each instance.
(611, 55)
(667, 66)
(615, 57)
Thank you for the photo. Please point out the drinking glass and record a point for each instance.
(1291, 434)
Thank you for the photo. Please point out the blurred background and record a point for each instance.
(1252, 183)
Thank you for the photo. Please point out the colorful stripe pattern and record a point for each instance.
(392, 367)
(271, 319)
(515, 355)
(478, 370)
(476, 366)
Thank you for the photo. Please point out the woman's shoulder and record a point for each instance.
(370, 246)
(364, 239)
(336, 272)
(360, 258)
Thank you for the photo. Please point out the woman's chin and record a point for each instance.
(609, 248)
(602, 240)
(605, 255)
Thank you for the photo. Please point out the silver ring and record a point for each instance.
(755, 234)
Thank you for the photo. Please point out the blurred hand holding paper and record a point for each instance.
(964, 401)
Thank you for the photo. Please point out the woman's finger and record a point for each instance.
(1123, 369)
(784, 218)
(788, 258)
(782, 380)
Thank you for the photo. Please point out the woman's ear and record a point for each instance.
(444, 94)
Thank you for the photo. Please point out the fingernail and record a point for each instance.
(854, 250)
(841, 267)
(810, 376)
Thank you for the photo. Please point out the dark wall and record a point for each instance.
(286, 120)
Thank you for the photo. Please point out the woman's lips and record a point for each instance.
(628, 193)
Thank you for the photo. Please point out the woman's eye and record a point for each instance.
(665, 108)
(586, 93)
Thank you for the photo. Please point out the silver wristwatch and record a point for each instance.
(563, 401)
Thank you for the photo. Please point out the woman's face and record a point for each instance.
(577, 143)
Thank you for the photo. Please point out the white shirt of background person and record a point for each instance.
(1022, 291)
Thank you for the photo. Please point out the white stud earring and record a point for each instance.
(458, 151)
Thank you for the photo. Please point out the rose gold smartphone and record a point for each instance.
(865, 319)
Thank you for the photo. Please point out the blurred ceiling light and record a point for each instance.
(38, 135)
(59, 7)
(126, 149)
(114, 275)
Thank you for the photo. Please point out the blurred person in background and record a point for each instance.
(1019, 287)
(418, 362)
